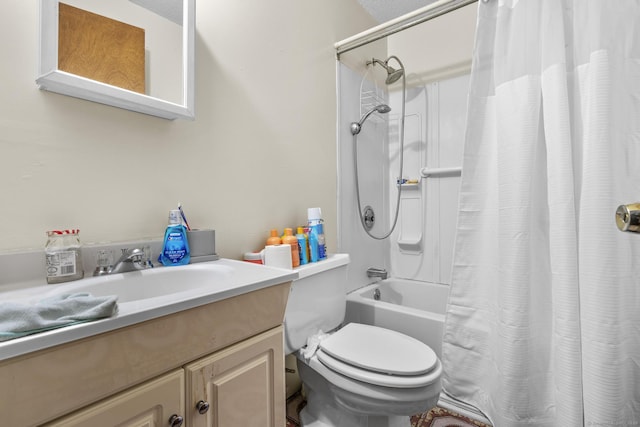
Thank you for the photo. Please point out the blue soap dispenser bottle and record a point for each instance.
(175, 247)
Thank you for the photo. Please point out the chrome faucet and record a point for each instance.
(130, 260)
(377, 272)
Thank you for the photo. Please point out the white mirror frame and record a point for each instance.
(52, 79)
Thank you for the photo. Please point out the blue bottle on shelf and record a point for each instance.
(175, 247)
(314, 216)
(313, 245)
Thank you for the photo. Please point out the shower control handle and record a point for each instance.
(368, 217)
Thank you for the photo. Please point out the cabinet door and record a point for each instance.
(152, 404)
(243, 385)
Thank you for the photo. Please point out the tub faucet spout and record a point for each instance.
(377, 272)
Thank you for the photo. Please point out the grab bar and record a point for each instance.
(428, 172)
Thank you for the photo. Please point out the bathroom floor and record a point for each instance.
(436, 417)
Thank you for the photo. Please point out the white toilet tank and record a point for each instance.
(317, 301)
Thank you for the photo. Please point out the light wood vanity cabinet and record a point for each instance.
(149, 405)
(228, 354)
(241, 385)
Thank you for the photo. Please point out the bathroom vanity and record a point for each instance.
(217, 363)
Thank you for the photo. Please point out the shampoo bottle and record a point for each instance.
(274, 239)
(290, 239)
(313, 245)
(316, 224)
(175, 249)
(303, 246)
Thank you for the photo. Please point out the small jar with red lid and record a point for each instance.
(63, 253)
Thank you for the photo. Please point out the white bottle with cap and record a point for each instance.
(316, 225)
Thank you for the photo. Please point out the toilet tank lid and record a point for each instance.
(332, 261)
(380, 350)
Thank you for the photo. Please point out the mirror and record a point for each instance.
(142, 60)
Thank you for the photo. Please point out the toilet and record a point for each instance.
(354, 375)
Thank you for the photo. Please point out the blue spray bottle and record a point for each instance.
(303, 246)
(314, 216)
(175, 249)
(313, 245)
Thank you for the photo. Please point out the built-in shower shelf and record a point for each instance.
(410, 245)
(412, 186)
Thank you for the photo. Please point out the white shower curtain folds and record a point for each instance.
(543, 322)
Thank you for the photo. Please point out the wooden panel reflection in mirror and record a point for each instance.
(101, 48)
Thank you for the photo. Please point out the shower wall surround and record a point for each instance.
(437, 58)
(364, 251)
(421, 246)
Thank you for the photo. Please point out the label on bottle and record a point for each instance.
(313, 245)
(175, 249)
(322, 250)
(60, 264)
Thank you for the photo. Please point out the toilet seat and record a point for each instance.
(379, 356)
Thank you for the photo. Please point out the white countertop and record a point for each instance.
(239, 278)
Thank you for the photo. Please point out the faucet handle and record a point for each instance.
(146, 257)
(105, 257)
(104, 262)
(126, 251)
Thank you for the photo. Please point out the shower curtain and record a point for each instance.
(543, 321)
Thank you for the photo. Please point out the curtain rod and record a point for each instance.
(403, 22)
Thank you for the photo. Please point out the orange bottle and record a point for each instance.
(274, 239)
(291, 240)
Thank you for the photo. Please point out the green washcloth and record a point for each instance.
(18, 319)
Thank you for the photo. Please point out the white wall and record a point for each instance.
(261, 150)
(437, 49)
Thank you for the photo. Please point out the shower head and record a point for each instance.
(393, 75)
(356, 127)
(382, 108)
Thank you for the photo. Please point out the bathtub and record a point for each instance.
(411, 307)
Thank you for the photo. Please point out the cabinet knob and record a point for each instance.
(175, 420)
(202, 406)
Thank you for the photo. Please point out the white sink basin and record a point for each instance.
(151, 283)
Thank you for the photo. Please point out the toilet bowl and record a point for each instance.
(362, 371)
(359, 375)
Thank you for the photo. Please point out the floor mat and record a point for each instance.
(436, 417)
(440, 417)
(294, 405)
